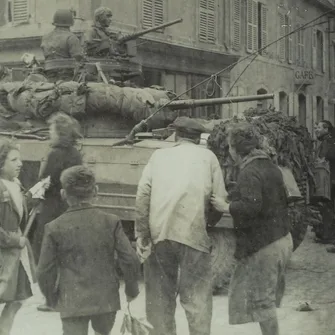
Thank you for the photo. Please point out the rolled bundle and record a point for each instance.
(103, 98)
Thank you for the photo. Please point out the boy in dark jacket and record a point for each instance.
(76, 270)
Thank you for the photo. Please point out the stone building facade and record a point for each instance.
(299, 68)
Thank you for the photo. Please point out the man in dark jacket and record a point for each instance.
(263, 242)
(77, 269)
(324, 132)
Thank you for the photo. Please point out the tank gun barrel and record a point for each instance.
(149, 30)
(191, 103)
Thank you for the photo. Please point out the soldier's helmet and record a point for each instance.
(101, 12)
(63, 18)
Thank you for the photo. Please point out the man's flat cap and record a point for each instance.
(189, 125)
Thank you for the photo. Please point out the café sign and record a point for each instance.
(303, 76)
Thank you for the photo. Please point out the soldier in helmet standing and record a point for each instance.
(99, 41)
(61, 43)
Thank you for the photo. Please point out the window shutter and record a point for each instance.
(300, 46)
(264, 28)
(20, 11)
(323, 53)
(252, 20)
(207, 24)
(158, 11)
(314, 54)
(282, 29)
(237, 24)
(3, 7)
(152, 13)
(289, 40)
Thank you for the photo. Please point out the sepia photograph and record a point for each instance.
(167, 167)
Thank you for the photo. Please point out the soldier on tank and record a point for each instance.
(99, 41)
(61, 43)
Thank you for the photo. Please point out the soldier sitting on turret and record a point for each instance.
(99, 41)
(61, 42)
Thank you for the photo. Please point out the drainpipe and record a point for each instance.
(329, 65)
(329, 52)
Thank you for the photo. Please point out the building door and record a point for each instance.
(262, 104)
(283, 103)
(319, 109)
(302, 109)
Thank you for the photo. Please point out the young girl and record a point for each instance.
(14, 260)
(64, 132)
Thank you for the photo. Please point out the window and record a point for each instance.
(207, 21)
(257, 30)
(237, 12)
(152, 13)
(301, 46)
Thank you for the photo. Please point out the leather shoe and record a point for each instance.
(45, 308)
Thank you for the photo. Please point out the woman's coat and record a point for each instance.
(14, 281)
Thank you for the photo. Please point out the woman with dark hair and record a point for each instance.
(64, 132)
(259, 208)
(16, 263)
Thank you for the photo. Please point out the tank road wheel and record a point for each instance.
(223, 261)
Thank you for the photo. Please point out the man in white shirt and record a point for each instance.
(173, 203)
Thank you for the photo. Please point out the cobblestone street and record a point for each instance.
(309, 279)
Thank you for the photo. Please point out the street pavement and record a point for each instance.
(310, 279)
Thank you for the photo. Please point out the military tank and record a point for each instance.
(116, 143)
(118, 164)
